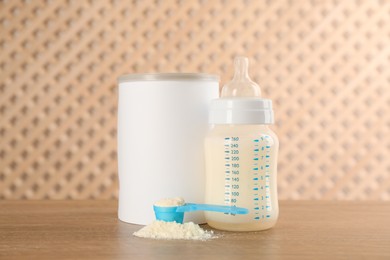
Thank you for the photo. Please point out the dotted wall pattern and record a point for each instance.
(324, 63)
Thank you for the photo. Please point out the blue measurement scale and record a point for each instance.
(262, 205)
(260, 175)
(232, 170)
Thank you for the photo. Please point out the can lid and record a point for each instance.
(241, 111)
(168, 77)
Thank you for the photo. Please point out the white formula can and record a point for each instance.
(162, 122)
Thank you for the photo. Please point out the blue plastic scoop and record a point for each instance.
(176, 213)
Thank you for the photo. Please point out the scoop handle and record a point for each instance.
(209, 207)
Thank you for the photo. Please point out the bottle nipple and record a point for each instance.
(241, 85)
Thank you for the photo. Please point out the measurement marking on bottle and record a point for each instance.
(227, 196)
(232, 170)
(267, 174)
(255, 169)
(261, 177)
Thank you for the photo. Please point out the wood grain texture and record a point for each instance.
(325, 64)
(91, 230)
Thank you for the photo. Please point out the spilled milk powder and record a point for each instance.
(172, 230)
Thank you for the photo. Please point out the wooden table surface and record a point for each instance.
(91, 230)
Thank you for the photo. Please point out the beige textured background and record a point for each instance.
(326, 65)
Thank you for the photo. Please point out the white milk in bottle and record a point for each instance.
(241, 155)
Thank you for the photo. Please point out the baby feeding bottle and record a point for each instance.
(241, 155)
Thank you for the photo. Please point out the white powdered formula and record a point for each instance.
(172, 230)
(171, 202)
